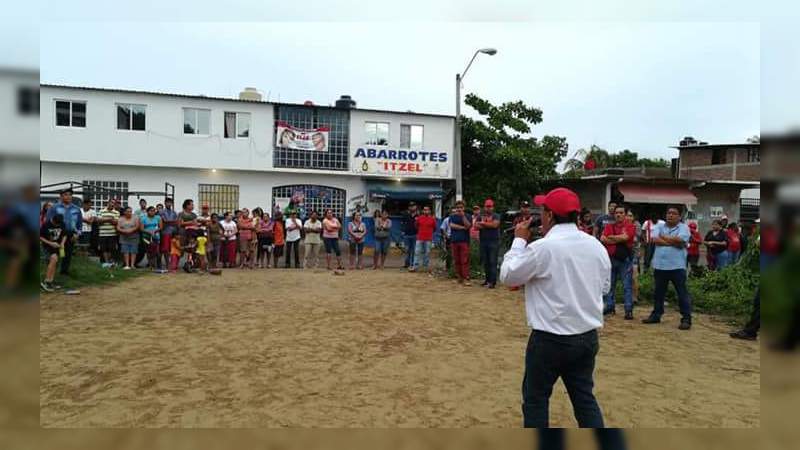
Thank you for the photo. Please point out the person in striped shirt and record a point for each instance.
(108, 218)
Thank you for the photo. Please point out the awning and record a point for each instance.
(657, 193)
(403, 190)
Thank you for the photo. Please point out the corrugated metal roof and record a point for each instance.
(230, 99)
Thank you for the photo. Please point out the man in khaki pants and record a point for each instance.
(313, 228)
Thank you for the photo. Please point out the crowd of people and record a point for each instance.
(165, 239)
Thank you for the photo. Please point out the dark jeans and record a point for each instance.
(67, 259)
(678, 279)
(549, 357)
(754, 325)
(489, 259)
(448, 262)
(293, 247)
(607, 439)
(410, 243)
(649, 250)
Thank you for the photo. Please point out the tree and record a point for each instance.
(602, 159)
(500, 159)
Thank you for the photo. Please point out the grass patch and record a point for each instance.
(85, 272)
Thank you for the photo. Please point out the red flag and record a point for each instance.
(589, 164)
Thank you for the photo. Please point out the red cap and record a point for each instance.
(561, 201)
(692, 225)
(488, 203)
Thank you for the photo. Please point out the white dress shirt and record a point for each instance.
(565, 275)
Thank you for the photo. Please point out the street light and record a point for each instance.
(457, 151)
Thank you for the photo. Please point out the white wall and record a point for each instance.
(19, 134)
(255, 188)
(163, 142)
(437, 137)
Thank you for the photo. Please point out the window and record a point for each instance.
(130, 117)
(220, 197)
(196, 121)
(719, 155)
(411, 136)
(70, 113)
(99, 192)
(377, 133)
(753, 155)
(338, 122)
(237, 125)
(28, 101)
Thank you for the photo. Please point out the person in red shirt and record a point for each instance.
(693, 251)
(426, 224)
(618, 238)
(734, 243)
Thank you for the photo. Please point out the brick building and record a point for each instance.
(714, 162)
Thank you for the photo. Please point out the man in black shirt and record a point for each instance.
(488, 225)
(409, 229)
(52, 236)
(717, 244)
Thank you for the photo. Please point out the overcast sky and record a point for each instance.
(640, 82)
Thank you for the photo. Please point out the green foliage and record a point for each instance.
(500, 158)
(729, 291)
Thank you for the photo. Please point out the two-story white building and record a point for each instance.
(242, 152)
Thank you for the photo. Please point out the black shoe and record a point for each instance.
(47, 287)
(490, 285)
(685, 324)
(629, 315)
(652, 319)
(608, 311)
(744, 335)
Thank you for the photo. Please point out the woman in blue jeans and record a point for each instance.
(383, 227)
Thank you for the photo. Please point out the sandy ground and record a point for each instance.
(369, 349)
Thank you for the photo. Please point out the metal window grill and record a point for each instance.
(219, 197)
(106, 191)
(749, 209)
(317, 198)
(338, 155)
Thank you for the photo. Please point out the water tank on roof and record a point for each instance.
(250, 93)
(345, 102)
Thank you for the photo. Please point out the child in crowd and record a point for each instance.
(278, 237)
(190, 249)
(174, 255)
(201, 251)
(52, 237)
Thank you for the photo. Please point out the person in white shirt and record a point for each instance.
(313, 228)
(293, 235)
(88, 215)
(565, 275)
(650, 246)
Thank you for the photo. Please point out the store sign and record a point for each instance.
(311, 139)
(716, 212)
(401, 162)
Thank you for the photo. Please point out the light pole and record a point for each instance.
(457, 144)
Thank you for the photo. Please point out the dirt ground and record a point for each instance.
(276, 348)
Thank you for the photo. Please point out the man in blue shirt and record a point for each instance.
(669, 264)
(73, 223)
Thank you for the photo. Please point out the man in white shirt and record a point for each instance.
(565, 275)
(293, 227)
